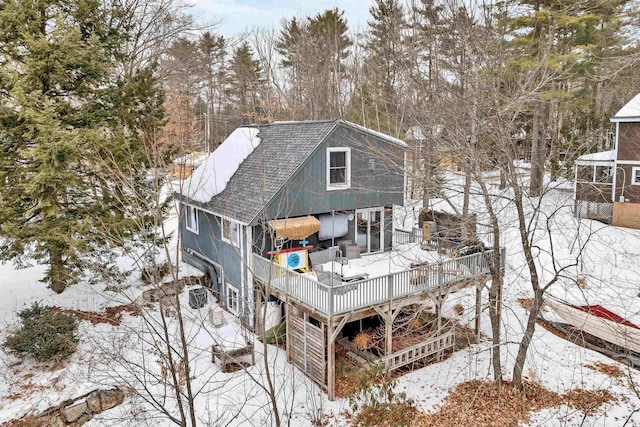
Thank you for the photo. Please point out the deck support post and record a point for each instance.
(332, 336)
(478, 308)
(439, 300)
(289, 335)
(388, 333)
(331, 360)
(388, 317)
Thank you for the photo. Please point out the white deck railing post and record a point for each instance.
(330, 293)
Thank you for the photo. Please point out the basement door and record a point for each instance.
(369, 229)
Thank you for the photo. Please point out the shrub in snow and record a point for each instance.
(377, 404)
(45, 334)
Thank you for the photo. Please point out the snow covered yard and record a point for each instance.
(110, 355)
(130, 355)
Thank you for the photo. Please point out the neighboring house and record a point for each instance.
(607, 184)
(332, 181)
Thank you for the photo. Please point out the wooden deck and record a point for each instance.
(315, 312)
(332, 301)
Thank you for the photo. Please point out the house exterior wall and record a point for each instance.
(262, 240)
(624, 187)
(233, 260)
(306, 193)
(629, 141)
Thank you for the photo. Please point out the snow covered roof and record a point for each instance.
(256, 178)
(212, 176)
(602, 156)
(246, 172)
(631, 110)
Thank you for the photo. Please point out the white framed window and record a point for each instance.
(233, 299)
(231, 232)
(338, 168)
(635, 175)
(191, 215)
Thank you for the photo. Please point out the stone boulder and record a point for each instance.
(93, 402)
(74, 412)
(111, 398)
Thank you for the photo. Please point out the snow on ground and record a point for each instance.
(107, 354)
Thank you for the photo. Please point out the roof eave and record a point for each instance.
(381, 135)
(633, 119)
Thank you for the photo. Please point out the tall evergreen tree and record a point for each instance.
(314, 53)
(246, 83)
(66, 116)
(291, 46)
(185, 77)
(213, 70)
(378, 102)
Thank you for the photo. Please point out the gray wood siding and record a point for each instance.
(306, 193)
(208, 243)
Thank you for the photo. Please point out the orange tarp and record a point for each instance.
(295, 228)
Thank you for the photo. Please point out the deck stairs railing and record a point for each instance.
(420, 351)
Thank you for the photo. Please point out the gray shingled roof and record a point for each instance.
(283, 147)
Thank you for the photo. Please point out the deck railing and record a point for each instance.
(404, 237)
(345, 297)
(419, 351)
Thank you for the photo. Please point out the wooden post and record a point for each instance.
(332, 336)
(439, 301)
(259, 315)
(388, 333)
(331, 359)
(289, 335)
(478, 309)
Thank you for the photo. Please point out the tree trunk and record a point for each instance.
(537, 291)
(526, 339)
(473, 138)
(504, 167)
(427, 181)
(537, 160)
(495, 308)
(58, 273)
(495, 291)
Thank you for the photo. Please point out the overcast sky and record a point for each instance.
(238, 15)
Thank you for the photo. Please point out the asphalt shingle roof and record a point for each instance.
(283, 148)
